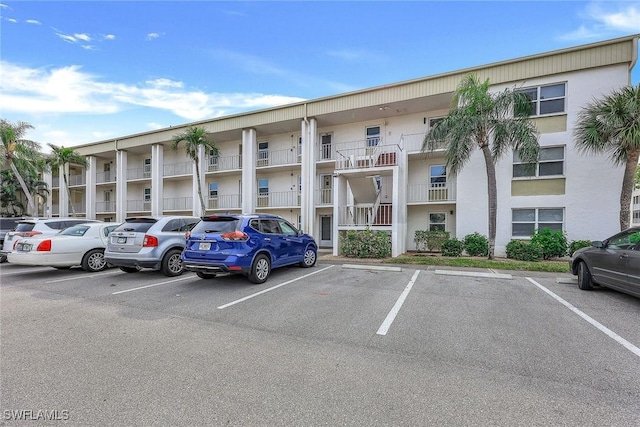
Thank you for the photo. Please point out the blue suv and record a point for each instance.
(251, 245)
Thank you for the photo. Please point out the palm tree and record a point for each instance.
(61, 157)
(194, 138)
(19, 154)
(612, 125)
(493, 123)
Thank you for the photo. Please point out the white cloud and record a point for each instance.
(33, 21)
(109, 37)
(152, 36)
(13, 21)
(155, 126)
(70, 90)
(602, 19)
(82, 36)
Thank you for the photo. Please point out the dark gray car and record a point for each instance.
(614, 263)
(154, 242)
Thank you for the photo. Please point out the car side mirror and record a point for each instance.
(597, 244)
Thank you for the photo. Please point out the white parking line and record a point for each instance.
(371, 267)
(632, 348)
(474, 274)
(384, 328)
(155, 284)
(80, 277)
(270, 289)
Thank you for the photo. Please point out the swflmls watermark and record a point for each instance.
(35, 415)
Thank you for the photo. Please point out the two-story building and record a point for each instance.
(354, 160)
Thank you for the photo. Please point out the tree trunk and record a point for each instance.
(24, 189)
(66, 186)
(492, 197)
(203, 210)
(627, 188)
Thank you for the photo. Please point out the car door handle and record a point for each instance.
(267, 239)
(624, 256)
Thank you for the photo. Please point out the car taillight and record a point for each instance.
(44, 246)
(27, 233)
(235, 236)
(150, 241)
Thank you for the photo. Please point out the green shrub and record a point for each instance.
(524, 251)
(420, 239)
(476, 244)
(430, 240)
(577, 244)
(365, 244)
(553, 243)
(452, 247)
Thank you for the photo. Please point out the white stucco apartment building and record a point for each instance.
(354, 160)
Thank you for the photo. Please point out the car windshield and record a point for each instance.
(215, 225)
(76, 230)
(25, 226)
(138, 225)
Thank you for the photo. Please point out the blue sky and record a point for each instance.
(85, 71)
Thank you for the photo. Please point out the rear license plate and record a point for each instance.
(204, 246)
(23, 247)
(122, 240)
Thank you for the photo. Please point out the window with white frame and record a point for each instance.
(213, 160)
(550, 163)
(373, 136)
(147, 194)
(146, 169)
(525, 221)
(437, 221)
(325, 141)
(438, 176)
(548, 99)
(213, 190)
(263, 153)
(434, 121)
(263, 192)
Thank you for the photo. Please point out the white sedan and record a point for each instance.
(81, 244)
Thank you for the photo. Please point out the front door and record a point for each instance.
(325, 230)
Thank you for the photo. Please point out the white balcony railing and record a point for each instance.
(365, 215)
(367, 157)
(79, 179)
(224, 201)
(108, 176)
(224, 163)
(424, 193)
(175, 169)
(413, 142)
(138, 205)
(286, 156)
(177, 204)
(105, 207)
(278, 199)
(138, 173)
(324, 197)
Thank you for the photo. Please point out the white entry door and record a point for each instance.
(326, 230)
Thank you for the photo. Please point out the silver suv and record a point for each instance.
(154, 242)
(40, 227)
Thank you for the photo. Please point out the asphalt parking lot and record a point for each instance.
(337, 344)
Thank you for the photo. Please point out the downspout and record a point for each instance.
(634, 56)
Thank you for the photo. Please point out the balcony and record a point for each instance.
(219, 164)
(224, 202)
(138, 173)
(177, 204)
(365, 216)
(138, 205)
(176, 169)
(412, 143)
(324, 197)
(431, 193)
(105, 207)
(288, 156)
(278, 199)
(103, 177)
(367, 157)
(79, 179)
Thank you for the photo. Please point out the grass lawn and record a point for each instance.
(552, 266)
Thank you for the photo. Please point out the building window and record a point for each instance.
(550, 163)
(146, 169)
(213, 160)
(263, 153)
(147, 194)
(263, 192)
(546, 99)
(213, 190)
(373, 136)
(434, 121)
(438, 176)
(325, 141)
(437, 221)
(525, 221)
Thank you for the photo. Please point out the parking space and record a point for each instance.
(536, 333)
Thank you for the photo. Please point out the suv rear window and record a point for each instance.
(25, 226)
(139, 225)
(8, 223)
(216, 225)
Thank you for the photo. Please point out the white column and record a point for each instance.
(90, 187)
(249, 144)
(63, 197)
(399, 207)
(197, 207)
(339, 202)
(121, 185)
(157, 180)
(308, 173)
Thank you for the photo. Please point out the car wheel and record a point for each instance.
(3, 258)
(205, 275)
(260, 269)
(310, 258)
(130, 269)
(94, 261)
(172, 263)
(584, 277)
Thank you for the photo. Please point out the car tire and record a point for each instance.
(202, 275)
(3, 258)
(94, 261)
(585, 282)
(130, 269)
(171, 264)
(310, 258)
(260, 269)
